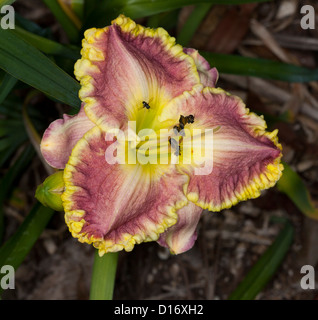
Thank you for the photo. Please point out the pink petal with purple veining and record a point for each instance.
(61, 136)
(182, 236)
(117, 206)
(208, 76)
(125, 64)
(245, 158)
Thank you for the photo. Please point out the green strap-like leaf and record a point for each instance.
(78, 7)
(6, 2)
(46, 45)
(166, 20)
(234, 64)
(139, 8)
(265, 267)
(31, 26)
(12, 137)
(14, 251)
(6, 154)
(29, 65)
(107, 10)
(6, 86)
(103, 277)
(293, 186)
(6, 183)
(67, 24)
(192, 23)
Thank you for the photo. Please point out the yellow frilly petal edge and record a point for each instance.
(85, 67)
(75, 219)
(265, 180)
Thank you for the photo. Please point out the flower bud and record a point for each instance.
(50, 191)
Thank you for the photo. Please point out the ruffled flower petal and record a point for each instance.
(208, 76)
(182, 236)
(61, 136)
(117, 206)
(245, 158)
(124, 65)
(131, 73)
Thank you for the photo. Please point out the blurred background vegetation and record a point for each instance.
(254, 250)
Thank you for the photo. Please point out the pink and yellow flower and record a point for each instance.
(131, 73)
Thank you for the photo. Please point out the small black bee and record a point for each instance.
(174, 145)
(182, 122)
(190, 118)
(176, 129)
(145, 105)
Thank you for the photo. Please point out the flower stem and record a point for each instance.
(103, 277)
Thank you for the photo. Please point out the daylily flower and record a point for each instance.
(132, 73)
